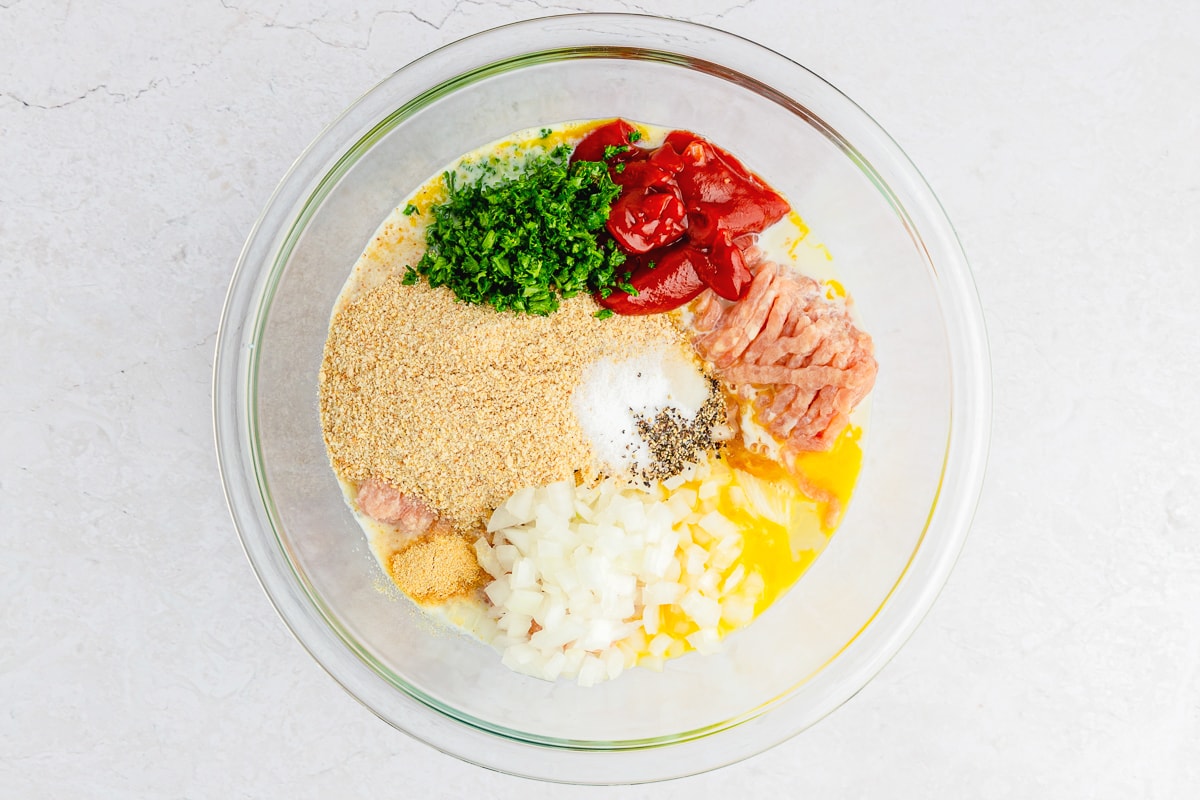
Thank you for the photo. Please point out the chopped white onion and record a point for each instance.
(589, 581)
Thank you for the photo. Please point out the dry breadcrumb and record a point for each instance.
(460, 404)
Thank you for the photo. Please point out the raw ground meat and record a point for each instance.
(385, 503)
(810, 364)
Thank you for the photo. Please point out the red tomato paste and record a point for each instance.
(686, 211)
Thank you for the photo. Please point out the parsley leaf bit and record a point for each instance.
(611, 150)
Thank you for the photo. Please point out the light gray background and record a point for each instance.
(139, 657)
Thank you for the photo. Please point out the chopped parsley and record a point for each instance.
(611, 150)
(603, 313)
(625, 286)
(634, 136)
(409, 210)
(545, 132)
(521, 242)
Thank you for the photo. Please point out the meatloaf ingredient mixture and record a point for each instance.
(591, 482)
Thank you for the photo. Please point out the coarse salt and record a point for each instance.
(612, 394)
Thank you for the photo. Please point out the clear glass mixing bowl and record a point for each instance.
(925, 450)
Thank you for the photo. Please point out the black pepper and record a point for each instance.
(675, 441)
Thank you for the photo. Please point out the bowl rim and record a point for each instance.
(259, 269)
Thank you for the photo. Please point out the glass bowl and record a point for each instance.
(924, 454)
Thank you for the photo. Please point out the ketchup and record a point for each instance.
(668, 282)
(686, 211)
(643, 219)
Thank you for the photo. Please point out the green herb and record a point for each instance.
(409, 210)
(625, 286)
(545, 132)
(611, 150)
(620, 167)
(522, 242)
(603, 313)
(634, 136)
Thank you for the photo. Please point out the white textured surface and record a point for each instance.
(138, 656)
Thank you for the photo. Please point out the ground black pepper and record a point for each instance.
(675, 441)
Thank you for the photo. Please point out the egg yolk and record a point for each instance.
(782, 530)
(781, 554)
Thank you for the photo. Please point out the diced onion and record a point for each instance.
(616, 575)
